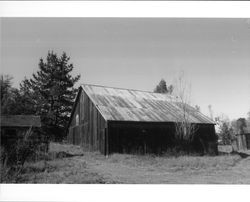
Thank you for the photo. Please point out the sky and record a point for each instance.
(137, 53)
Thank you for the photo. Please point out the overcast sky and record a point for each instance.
(137, 53)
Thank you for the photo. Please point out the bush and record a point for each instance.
(30, 147)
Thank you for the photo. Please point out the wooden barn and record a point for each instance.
(119, 120)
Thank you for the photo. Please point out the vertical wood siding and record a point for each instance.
(90, 132)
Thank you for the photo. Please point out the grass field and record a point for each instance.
(70, 164)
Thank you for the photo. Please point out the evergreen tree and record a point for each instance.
(226, 134)
(6, 85)
(7, 94)
(52, 92)
(24, 102)
(162, 87)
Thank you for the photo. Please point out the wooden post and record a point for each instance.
(244, 142)
(106, 141)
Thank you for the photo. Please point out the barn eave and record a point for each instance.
(94, 102)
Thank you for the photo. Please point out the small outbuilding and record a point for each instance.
(110, 120)
(243, 140)
(15, 126)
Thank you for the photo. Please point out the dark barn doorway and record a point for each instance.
(140, 137)
(155, 137)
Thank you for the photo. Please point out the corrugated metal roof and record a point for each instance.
(20, 121)
(134, 105)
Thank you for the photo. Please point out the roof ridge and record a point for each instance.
(87, 84)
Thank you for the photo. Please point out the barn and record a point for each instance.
(116, 120)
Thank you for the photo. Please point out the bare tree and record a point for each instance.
(211, 112)
(248, 120)
(184, 128)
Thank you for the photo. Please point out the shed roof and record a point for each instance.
(133, 105)
(20, 121)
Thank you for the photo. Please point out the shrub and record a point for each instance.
(30, 147)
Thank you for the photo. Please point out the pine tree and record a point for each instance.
(8, 95)
(226, 134)
(52, 91)
(162, 87)
(6, 86)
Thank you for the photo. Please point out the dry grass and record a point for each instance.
(61, 171)
(177, 163)
(71, 149)
(92, 167)
(63, 164)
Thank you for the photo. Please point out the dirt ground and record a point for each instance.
(72, 165)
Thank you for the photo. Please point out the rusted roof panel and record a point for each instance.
(20, 121)
(133, 105)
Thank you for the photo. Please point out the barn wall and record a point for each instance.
(206, 138)
(87, 127)
(145, 137)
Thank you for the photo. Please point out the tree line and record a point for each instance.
(228, 130)
(49, 93)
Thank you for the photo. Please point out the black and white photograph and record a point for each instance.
(125, 100)
(92, 103)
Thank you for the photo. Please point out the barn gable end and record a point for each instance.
(86, 126)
